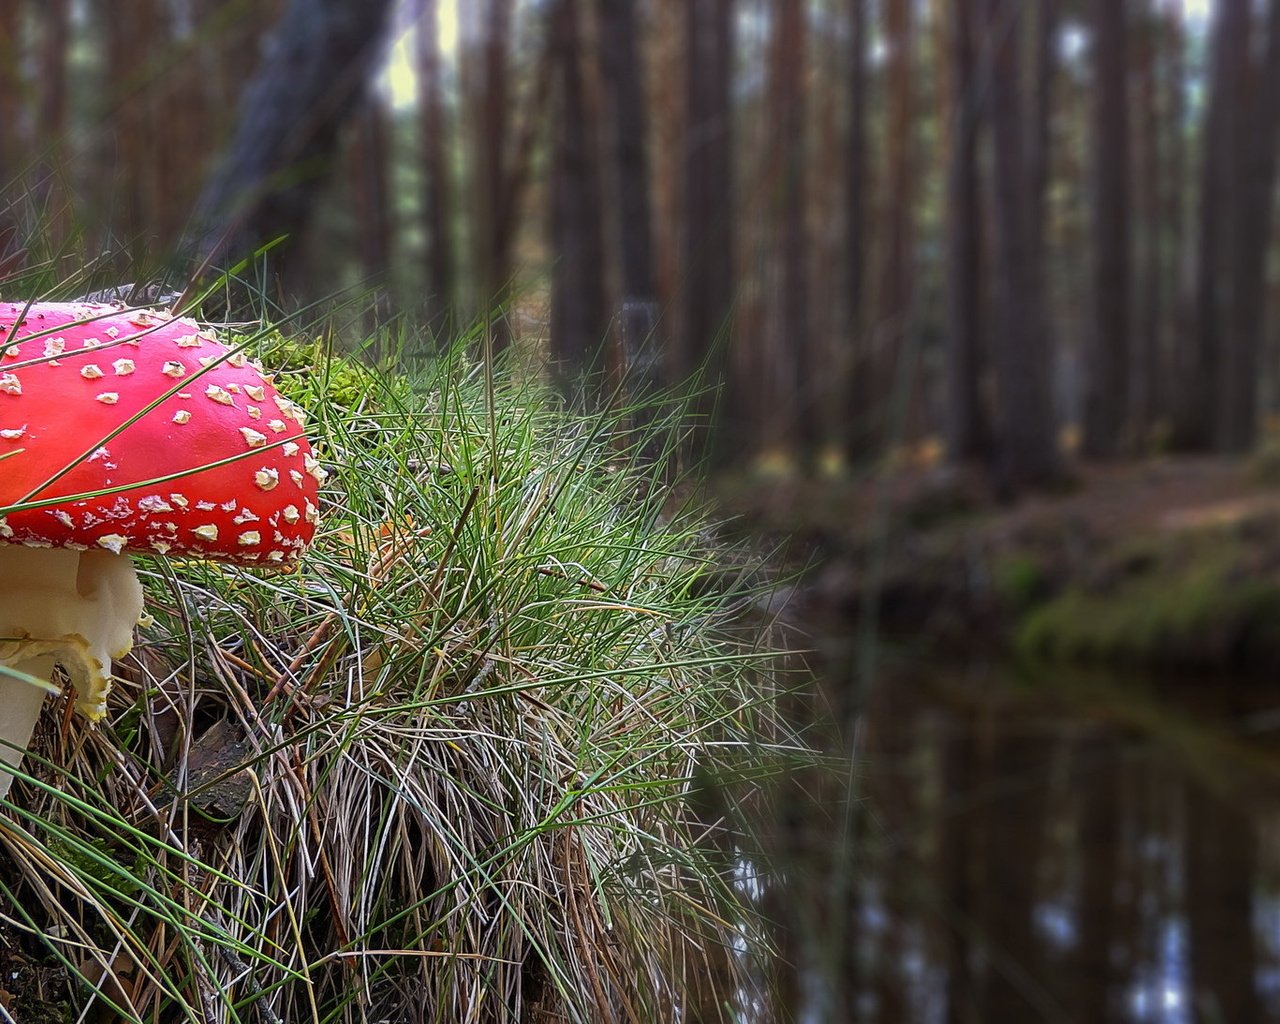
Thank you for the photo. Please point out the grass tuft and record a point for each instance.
(443, 772)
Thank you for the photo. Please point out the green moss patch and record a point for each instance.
(1195, 603)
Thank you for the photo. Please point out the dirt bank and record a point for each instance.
(1172, 563)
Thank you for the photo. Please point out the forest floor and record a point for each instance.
(1172, 561)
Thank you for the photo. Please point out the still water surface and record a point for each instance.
(1055, 847)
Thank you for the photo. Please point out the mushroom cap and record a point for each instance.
(138, 432)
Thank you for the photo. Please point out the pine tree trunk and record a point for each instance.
(371, 183)
(637, 319)
(1253, 198)
(966, 427)
(708, 219)
(896, 383)
(788, 413)
(437, 194)
(1027, 452)
(317, 64)
(1173, 218)
(1203, 385)
(855, 380)
(1106, 367)
(579, 311)
(1147, 180)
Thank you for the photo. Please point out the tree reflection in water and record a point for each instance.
(1048, 849)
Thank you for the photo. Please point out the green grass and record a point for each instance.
(443, 772)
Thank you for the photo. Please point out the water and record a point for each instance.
(1051, 847)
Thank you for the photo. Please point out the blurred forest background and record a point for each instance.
(992, 225)
(1032, 237)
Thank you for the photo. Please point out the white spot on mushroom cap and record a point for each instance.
(206, 532)
(91, 371)
(124, 367)
(248, 538)
(314, 469)
(153, 503)
(182, 416)
(266, 478)
(219, 395)
(173, 368)
(291, 514)
(113, 542)
(54, 347)
(253, 438)
(108, 397)
(13, 433)
(10, 384)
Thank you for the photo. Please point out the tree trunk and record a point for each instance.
(896, 382)
(1173, 218)
(371, 182)
(1106, 368)
(855, 380)
(313, 75)
(637, 320)
(1253, 198)
(967, 436)
(489, 117)
(1027, 452)
(579, 312)
(1203, 379)
(788, 421)
(1147, 178)
(708, 217)
(437, 195)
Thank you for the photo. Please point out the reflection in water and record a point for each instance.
(1045, 851)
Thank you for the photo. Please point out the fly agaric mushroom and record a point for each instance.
(126, 432)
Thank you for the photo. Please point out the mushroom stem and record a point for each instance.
(20, 703)
(57, 605)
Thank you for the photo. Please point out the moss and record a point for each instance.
(309, 373)
(1189, 610)
(1020, 580)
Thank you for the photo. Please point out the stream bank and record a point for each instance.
(1170, 564)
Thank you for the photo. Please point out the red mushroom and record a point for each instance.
(126, 432)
